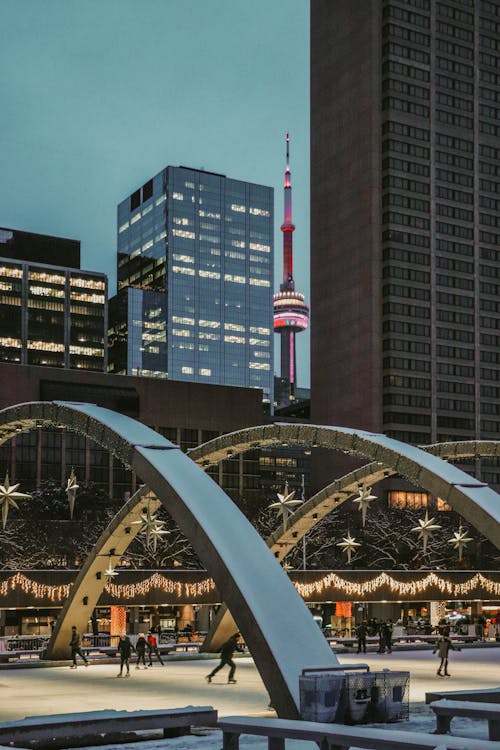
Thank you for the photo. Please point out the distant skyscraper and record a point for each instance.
(50, 314)
(195, 265)
(405, 217)
(291, 314)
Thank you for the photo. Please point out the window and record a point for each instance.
(401, 499)
(135, 200)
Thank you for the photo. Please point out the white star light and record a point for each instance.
(349, 545)
(110, 572)
(71, 488)
(8, 497)
(364, 500)
(152, 527)
(460, 540)
(425, 528)
(284, 503)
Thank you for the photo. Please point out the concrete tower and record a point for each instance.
(291, 314)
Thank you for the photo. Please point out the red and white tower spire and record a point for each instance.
(291, 314)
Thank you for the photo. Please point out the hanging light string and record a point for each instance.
(402, 588)
(330, 581)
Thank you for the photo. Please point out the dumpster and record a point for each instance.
(390, 696)
(320, 693)
(357, 697)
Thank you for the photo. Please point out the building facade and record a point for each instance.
(49, 314)
(195, 254)
(405, 218)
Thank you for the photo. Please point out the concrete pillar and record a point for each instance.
(185, 616)
(133, 620)
(203, 618)
(3, 618)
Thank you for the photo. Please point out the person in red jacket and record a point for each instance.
(153, 649)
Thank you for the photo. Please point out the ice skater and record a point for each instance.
(226, 657)
(153, 649)
(443, 647)
(140, 648)
(361, 636)
(125, 651)
(75, 644)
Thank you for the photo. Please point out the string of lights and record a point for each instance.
(331, 582)
(403, 588)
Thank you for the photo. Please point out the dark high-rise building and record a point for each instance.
(405, 217)
(50, 314)
(195, 266)
(39, 248)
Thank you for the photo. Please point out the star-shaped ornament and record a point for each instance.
(460, 540)
(156, 534)
(425, 528)
(349, 545)
(148, 521)
(71, 488)
(9, 496)
(363, 501)
(284, 504)
(110, 572)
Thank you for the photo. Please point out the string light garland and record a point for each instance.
(402, 588)
(331, 582)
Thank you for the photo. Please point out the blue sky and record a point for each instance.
(99, 95)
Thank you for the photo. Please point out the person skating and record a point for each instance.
(140, 647)
(125, 651)
(153, 649)
(361, 635)
(75, 644)
(443, 647)
(388, 630)
(226, 657)
(381, 637)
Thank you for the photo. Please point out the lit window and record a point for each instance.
(233, 327)
(48, 278)
(147, 245)
(181, 332)
(184, 270)
(259, 366)
(147, 209)
(234, 254)
(186, 370)
(261, 248)
(87, 283)
(45, 346)
(259, 342)
(94, 299)
(182, 220)
(160, 236)
(209, 274)
(234, 279)
(209, 323)
(260, 282)
(183, 321)
(238, 208)
(161, 199)
(123, 227)
(442, 505)
(259, 212)
(13, 273)
(209, 336)
(234, 339)
(238, 243)
(177, 196)
(46, 291)
(183, 258)
(10, 343)
(135, 218)
(400, 499)
(87, 351)
(260, 329)
(184, 233)
(205, 371)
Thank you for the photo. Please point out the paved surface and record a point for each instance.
(29, 692)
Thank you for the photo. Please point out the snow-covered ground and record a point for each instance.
(28, 692)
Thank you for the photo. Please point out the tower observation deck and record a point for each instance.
(291, 314)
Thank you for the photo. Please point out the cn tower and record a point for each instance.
(291, 314)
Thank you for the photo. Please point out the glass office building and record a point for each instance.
(52, 316)
(195, 254)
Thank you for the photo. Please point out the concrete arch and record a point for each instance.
(324, 501)
(474, 500)
(250, 580)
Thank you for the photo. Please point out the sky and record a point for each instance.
(97, 96)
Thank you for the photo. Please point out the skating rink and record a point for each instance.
(30, 692)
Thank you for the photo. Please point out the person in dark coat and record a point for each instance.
(381, 637)
(140, 647)
(388, 630)
(153, 649)
(361, 631)
(75, 644)
(443, 647)
(226, 657)
(125, 651)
